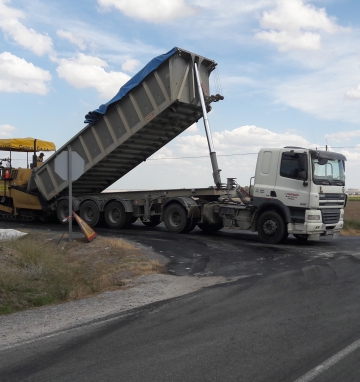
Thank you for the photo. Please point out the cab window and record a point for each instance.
(289, 167)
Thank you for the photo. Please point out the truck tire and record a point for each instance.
(208, 228)
(271, 228)
(115, 215)
(154, 221)
(62, 211)
(89, 212)
(190, 225)
(175, 218)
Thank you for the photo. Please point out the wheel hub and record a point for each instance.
(90, 213)
(270, 227)
(175, 218)
(115, 215)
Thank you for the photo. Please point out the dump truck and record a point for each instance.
(295, 190)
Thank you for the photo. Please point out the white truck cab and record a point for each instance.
(305, 187)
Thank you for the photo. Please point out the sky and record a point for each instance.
(289, 71)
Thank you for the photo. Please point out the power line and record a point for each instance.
(342, 147)
(203, 156)
(231, 155)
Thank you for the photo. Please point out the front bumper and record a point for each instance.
(316, 230)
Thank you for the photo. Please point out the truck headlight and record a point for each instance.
(313, 217)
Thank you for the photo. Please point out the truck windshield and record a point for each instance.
(328, 171)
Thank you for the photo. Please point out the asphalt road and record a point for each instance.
(293, 316)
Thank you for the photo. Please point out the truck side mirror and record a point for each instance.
(303, 164)
(302, 175)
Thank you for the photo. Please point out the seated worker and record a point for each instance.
(40, 158)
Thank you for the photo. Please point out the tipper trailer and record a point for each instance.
(295, 190)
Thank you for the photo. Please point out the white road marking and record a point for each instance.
(328, 363)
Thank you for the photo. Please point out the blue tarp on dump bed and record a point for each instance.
(93, 116)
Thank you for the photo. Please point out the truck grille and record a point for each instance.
(331, 203)
(330, 216)
(329, 196)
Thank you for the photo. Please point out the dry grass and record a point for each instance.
(37, 270)
(352, 218)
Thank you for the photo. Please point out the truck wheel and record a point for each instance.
(89, 212)
(62, 211)
(210, 227)
(302, 238)
(190, 225)
(175, 219)
(271, 228)
(154, 221)
(115, 215)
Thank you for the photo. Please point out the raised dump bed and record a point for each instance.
(154, 107)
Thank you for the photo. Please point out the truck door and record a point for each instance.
(291, 186)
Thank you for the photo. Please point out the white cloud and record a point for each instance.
(20, 76)
(88, 71)
(252, 138)
(6, 130)
(77, 39)
(192, 129)
(26, 37)
(296, 15)
(353, 94)
(130, 65)
(241, 140)
(343, 136)
(85, 60)
(289, 41)
(193, 166)
(215, 15)
(322, 92)
(153, 11)
(293, 24)
(192, 171)
(353, 159)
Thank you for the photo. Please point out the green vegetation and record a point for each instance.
(37, 271)
(351, 224)
(352, 217)
(354, 198)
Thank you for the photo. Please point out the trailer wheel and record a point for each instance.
(62, 211)
(89, 212)
(210, 227)
(154, 221)
(271, 228)
(175, 218)
(115, 215)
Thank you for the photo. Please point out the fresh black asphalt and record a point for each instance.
(296, 306)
